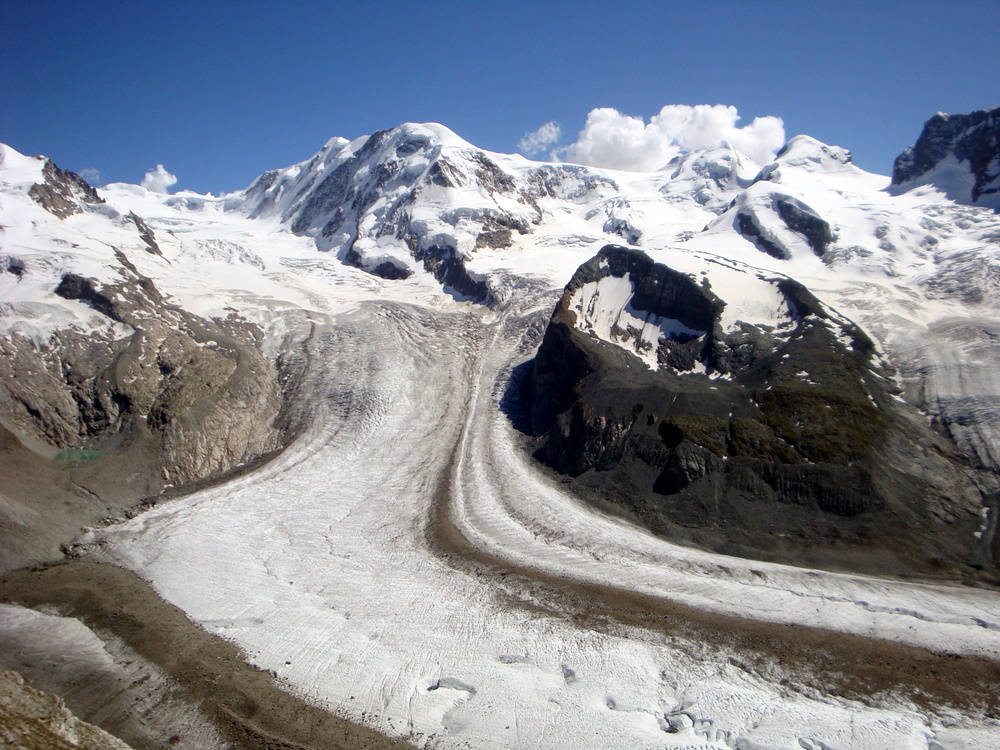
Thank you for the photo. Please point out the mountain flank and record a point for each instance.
(783, 441)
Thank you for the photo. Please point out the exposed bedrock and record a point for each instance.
(758, 221)
(952, 144)
(93, 423)
(781, 442)
(61, 192)
(33, 720)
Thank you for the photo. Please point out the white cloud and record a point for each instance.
(616, 141)
(159, 180)
(541, 139)
(91, 175)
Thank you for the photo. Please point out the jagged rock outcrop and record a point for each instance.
(960, 153)
(145, 233)
(61, 191)
(777, 439)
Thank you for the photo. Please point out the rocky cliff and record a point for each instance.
(779, 438)
(959, 153)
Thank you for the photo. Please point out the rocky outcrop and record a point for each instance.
(62, 192)
(802, 219)
(33, 720)
(747, 226)
(970, 142)
(777, 223)
(145, 233)
(779, 440)
(182, 397)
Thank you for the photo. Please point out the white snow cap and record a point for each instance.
(159, 180)
(614, 140)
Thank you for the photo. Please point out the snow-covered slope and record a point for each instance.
(419, 198)
(404, 563)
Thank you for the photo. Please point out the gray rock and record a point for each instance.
(973, 138)
(145, 233)
(806, 221)
(180, 399)
(62, 192)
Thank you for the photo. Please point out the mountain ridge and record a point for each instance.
(291, 410)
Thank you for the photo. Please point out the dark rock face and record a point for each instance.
(385, 270)
(789, 447)
(391, 271)
(73, 286)
(796, 215)
(145, 233)
(449, 270)
(973, 138)
(802, 219)
(62, 191)
(747, 226)
(13, 266)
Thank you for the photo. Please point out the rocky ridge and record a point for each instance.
(959, 152)
(32, 720)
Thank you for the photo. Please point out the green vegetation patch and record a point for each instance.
(708, 432)
(754, 439)
(79, 454)
(822, 425)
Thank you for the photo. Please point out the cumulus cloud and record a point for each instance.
(537, 141)
(91, 175)
(617, 141)
(159, 180)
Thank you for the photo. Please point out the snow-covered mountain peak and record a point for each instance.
(16, 169)
(416, 197)
(711, 176)
(807, 152)
(58, 191)
(722, 163)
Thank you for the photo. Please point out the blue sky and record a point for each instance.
(218, 92)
